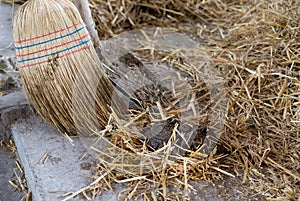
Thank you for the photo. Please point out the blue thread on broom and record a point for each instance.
(47, 41)
(51, 54)
(60, 56)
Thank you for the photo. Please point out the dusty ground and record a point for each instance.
(7, 167)
(12, 105)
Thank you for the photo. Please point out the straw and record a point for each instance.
(255, 44)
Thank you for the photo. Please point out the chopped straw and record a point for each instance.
(255, 44)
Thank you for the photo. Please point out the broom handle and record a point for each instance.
(86, 14)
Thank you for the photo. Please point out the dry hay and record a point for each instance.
(255, 44)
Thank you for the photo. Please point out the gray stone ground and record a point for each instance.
(6, 38)
(52, 163)
(13, 104)
(7, 164)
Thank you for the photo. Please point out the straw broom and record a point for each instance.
(56, 59)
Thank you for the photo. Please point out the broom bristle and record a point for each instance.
(56, 59)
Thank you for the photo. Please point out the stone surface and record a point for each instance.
(12, 106)
(7, 164)
(7, 53)
(52, 164)
(6, 38)
(13, 101)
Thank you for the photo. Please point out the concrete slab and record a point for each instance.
(51, 163)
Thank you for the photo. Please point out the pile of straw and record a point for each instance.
(255, 44)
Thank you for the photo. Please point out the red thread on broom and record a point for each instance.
(22, 55)
(48, 34)
(61, 56)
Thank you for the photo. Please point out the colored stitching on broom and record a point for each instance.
(61, 56)
(53, 53)
(53, 39)
(48, 34)
(22, 55)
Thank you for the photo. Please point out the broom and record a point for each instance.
(57, 59)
